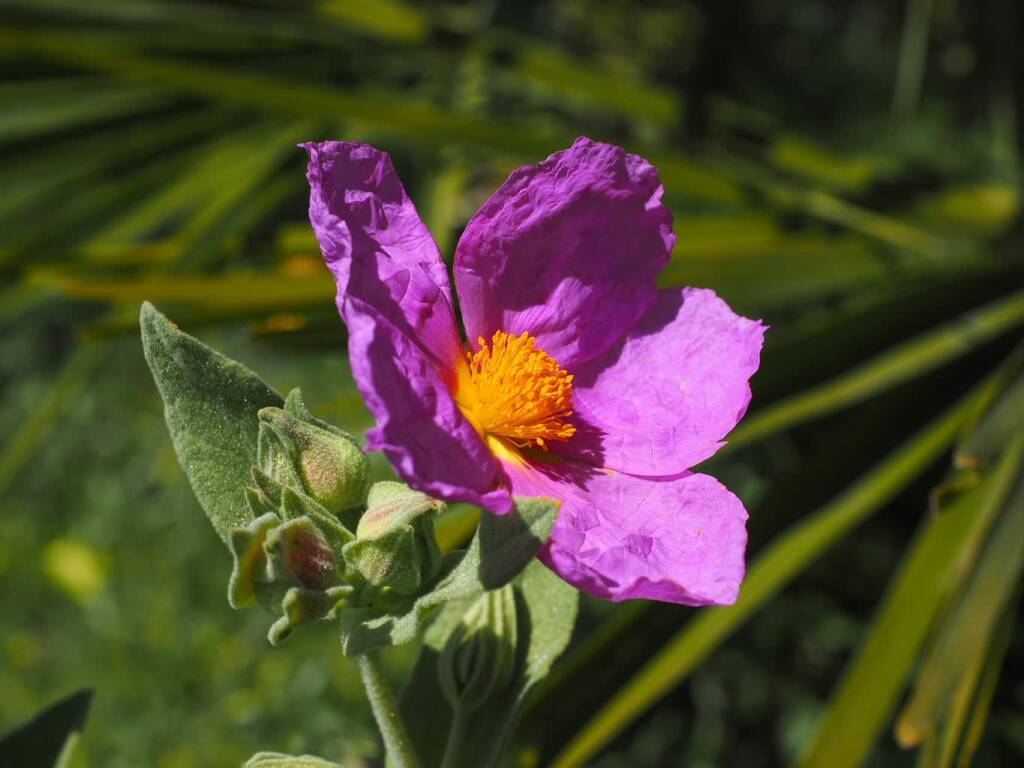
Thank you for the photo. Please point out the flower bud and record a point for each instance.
(479, 658)
(298, 552)
(289, 568)
(389, 505)
(395, 546)
(325, 463)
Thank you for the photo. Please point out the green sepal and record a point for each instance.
(249, 560)
(304, 606)
(259, 504)
(395, 546)
(280, 760)
(289, 504)
(276, 454)
(295, 406)
(390, 504)
(312, 456)
(210, 404)
(392, 560)
(502, 547)
(295, 505)
(268, 489)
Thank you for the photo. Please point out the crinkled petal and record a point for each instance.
(618, 537)
(378, 249)
(662, 400)
(419, 427)
(566, 250)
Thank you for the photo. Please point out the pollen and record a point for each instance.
(516, 391)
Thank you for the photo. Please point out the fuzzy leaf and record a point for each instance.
(479, 659)
(546, 610)
(210, 403)
(552, 606)
(502, 547)
(505, 544)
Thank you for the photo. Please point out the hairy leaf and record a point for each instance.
(210, 403)
(546, 610)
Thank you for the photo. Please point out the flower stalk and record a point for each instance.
(385, 711)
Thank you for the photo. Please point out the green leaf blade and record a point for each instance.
(211, 405)
(546, 609)
(972, 622)
(868, 693)
(47, 739)
(280, 760)
(779, 564)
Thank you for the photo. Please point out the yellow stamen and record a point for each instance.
(512, 390)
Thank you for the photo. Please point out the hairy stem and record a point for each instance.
(385, 711)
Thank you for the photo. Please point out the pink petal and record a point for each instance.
(394, 296)
(661, 401)
(566, 250)
(618, 537)
(419, 427)
(378, 249)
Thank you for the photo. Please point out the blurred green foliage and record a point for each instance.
(847, 171)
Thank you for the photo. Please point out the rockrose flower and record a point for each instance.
(580, 380)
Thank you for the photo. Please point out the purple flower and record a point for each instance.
(582, 380)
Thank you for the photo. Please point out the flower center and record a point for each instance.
(515, 391)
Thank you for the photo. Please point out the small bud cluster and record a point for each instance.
(297, 557)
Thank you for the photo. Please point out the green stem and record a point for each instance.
(453, 748)
(385, 711)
